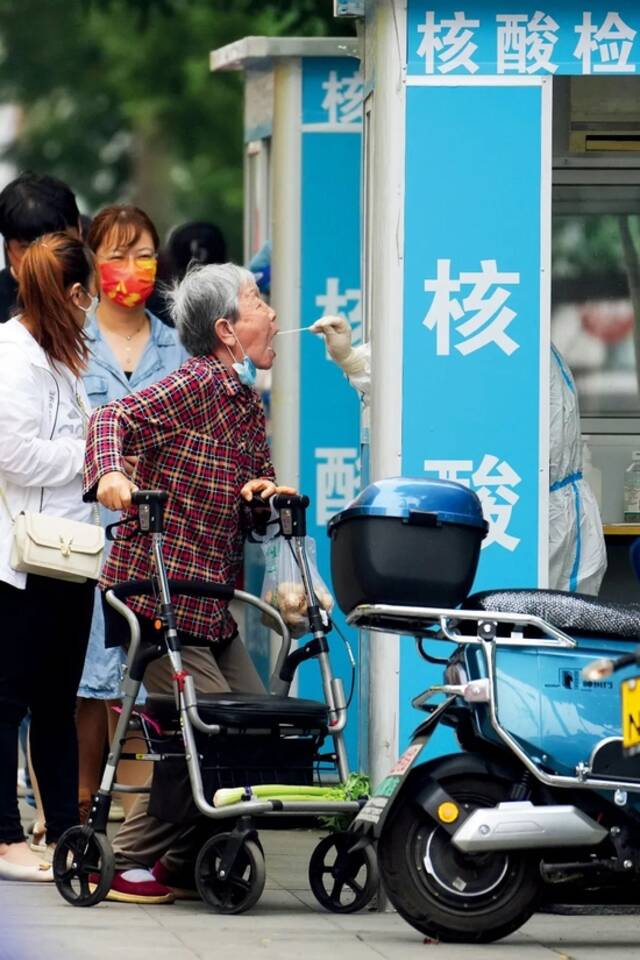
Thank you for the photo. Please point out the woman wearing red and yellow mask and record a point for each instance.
(129, 349)
(125, 243)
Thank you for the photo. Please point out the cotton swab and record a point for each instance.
(297, 330)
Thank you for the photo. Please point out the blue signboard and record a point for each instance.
(330, 284)
(472, 329)
(479, 37)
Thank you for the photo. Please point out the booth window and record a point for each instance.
(257, 195)
(595, 318)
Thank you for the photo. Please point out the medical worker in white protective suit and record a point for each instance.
(577, 557)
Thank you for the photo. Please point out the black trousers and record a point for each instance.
(44, 632)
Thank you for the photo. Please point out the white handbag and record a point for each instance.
(57, 547)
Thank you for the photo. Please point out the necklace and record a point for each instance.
(129, 336)
(127, 354)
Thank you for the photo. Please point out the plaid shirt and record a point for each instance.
(201, 436)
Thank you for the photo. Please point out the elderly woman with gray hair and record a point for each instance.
(200, 435)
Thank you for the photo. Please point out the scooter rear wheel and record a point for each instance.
(444, 893)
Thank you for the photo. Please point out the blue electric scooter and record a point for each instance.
(543, 800)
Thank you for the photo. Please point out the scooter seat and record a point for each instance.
(574, 613)
(245, 710)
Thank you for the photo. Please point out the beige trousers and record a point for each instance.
(142, 839)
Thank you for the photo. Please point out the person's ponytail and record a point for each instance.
(51, 265)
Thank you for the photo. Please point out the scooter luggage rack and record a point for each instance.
(419, 623)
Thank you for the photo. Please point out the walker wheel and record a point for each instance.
(343, 879)
(83, 866)
(243, 886)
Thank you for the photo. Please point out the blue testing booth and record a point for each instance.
(502, 192)
(482, 169)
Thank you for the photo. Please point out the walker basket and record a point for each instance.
(228, 760)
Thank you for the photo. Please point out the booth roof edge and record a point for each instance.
(257, 51)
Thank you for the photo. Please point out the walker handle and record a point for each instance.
(149, 496)
(150, 505)
(292, 500)
(293, 514)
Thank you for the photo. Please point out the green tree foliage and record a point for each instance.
(117, 99)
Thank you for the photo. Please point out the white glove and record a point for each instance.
(337, 334)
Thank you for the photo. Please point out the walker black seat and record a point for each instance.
(574, 613)
(245, 710)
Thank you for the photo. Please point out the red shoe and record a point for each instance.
(140, 887)
(174, 883)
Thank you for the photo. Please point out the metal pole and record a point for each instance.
(285, 280)
(385, 221)
(385, 45)
(285, 272)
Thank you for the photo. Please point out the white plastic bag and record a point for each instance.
(283, 587)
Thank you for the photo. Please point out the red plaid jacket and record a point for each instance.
(201, 436)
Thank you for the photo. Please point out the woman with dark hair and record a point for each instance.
(31, 205)
(197, 241)
(129, 348)
(45, 622)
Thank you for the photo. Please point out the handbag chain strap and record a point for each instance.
(3, 497)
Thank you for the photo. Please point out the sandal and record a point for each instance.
(38, 832)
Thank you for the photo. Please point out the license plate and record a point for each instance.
(630, 695)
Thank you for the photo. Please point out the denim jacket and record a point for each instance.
(104, 378)
(105, 381)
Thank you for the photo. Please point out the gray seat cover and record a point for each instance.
(570, 612)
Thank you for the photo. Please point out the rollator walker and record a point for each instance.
(541, 802)
(228, 740)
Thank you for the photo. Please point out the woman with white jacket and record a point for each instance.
(45, 622)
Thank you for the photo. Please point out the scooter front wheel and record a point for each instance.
(447, 894)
